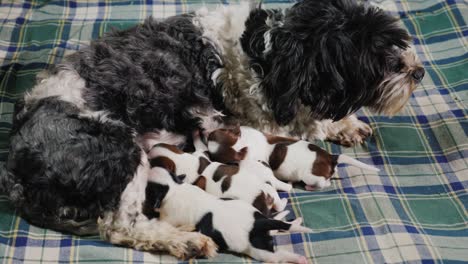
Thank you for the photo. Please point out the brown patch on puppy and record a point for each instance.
(278, 155)
(225, 170)
(228, 155)
(203, 163)
(163, 162)
(263, 202)
(200, 182)
(226, 138)
(324, 164)
(272, 139)
(169, 147)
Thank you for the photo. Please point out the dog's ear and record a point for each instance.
(287, 75)
(383, 30)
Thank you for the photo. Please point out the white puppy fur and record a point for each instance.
(128, 226)
(250, 181)
(230, 223)
(291, 160)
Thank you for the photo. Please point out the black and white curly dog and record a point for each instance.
(77, 159)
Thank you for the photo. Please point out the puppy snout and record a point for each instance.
(418, 74)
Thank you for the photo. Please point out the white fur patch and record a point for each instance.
(268, 44)
(213, 146)
(148, 140)
(66, 84)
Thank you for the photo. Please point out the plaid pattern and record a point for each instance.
(414, 210)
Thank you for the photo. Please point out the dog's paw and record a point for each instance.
(349, 132)
(193, 244)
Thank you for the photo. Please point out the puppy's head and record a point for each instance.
(159, 185)
(221, 142)
(162, 176)
(331, 57)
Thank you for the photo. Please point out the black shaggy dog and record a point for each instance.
(77, 158)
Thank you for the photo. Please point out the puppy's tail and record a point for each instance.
(11, 187)
(351, 161)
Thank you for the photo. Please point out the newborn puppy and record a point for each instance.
(290, 159)
(234, 225)
(250, 181)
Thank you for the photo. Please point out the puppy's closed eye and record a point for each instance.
(178, 178)
(264, 163)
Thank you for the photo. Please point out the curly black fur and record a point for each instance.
(311, 52)
(64, 169)
(151, 75)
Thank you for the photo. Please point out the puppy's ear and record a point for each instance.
(240, 155)
(286, 77)
(201, 182)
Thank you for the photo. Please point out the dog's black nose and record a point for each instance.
(418, 74)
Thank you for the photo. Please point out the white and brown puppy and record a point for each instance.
(290, 159)
(251, 181)
(234, 225)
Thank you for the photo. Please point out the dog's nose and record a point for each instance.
(418, 74)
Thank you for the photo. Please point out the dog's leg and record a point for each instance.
(281, 186)
(156, 236)
(278, 203)
(314, 183)
(347, 132)
(128, 226)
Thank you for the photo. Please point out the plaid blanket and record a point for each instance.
(413, 210)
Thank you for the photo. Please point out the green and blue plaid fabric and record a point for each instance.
(414, 210)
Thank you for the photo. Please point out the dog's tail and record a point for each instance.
(11, 187)
(351, 161)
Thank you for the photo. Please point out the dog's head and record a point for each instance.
(333, 57)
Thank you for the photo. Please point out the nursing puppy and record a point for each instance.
(234, 225)
(250, 180)
(290, 159)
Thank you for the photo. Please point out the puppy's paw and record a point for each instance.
(349, 132)
(192, 244)
(281, 204)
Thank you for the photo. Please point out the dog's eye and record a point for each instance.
(397, 65)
